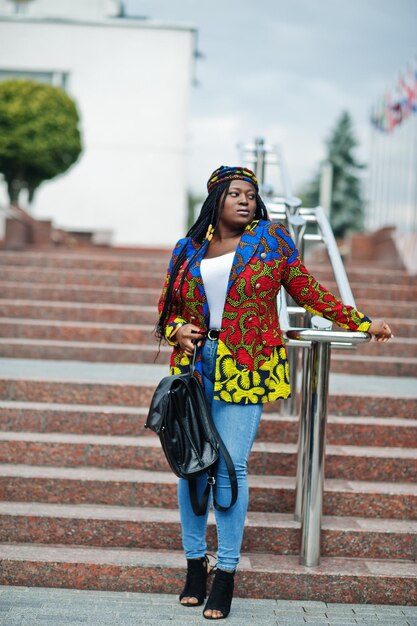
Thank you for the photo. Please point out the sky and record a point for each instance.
(285, 71)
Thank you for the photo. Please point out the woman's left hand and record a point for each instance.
(381, 331)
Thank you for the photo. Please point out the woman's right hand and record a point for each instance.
(187, 335)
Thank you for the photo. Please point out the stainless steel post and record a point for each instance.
(290, 405)
(292, 204)
(260, 155)
(326, 184)
(302, 430)
(315, 455)
(297, 226)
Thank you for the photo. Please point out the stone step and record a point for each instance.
(152, 280)
(140, 276)
(137, 344)
(343, 430)
(378, 309)
(78, 312)
(259, 576)
(113, 420)
(110, 260)
(374, 275)
(78, 392)
(363, 292)
(267, 458)
(399, 346)
(135, 260)
(83, 351)
(73, 418)
(131, 272)
(373, 365)
(148, 528)
(79, 331)
(143, 333)
(121, 279)
(127, 394)
(145, 488)
(118, 298)
(102, 352)
(79, 293)
(402, 327)
(145, 314)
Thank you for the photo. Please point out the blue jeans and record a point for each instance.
(237, 425)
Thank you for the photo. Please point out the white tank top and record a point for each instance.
(215, 273)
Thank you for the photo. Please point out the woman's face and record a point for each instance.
(239, 205)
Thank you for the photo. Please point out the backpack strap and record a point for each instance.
(232, 477)
(200, 508)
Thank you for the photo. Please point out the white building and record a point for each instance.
(131, 79)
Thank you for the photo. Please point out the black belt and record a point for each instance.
(213, 334)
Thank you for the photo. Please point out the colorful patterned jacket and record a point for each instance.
(251, 364)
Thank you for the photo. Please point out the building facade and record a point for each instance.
(131, 80)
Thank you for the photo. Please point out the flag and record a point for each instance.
(392, 115)
(408, 86)
(396, 106)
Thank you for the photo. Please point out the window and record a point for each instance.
(55, 78)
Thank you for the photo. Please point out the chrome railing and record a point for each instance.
(319, 339)
(314, 337)
(312, 433)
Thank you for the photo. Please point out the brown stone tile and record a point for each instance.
(77, 293)
(118, 394)
(337, 580)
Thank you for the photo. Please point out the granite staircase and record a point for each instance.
(87, 499)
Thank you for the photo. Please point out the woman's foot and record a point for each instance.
(195, 592)
(220, 599)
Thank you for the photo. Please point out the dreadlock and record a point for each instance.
(209, 217)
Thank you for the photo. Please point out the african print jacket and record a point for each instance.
(251, 365)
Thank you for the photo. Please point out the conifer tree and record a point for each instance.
(346, 210)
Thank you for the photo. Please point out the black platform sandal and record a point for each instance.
(220, 598)
(196, 581)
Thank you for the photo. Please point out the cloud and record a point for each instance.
(285, 71)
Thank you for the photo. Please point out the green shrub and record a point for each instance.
(39, 134)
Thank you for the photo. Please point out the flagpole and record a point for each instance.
(392, 181)
(409, 200)
(378, 191)
(399, 166)
(384, 182)
(370, 184)
(414, 204)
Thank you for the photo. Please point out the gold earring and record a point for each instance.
(210, 233)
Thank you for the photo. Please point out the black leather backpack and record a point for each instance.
(180, 415)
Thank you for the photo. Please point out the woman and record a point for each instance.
(221, 292)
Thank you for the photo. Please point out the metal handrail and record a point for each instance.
(334, 337)
(318, 216)
(329, 241)
(312, 438)
(319, 340)
(315, 378)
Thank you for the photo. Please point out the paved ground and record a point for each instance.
(26, 606)
(150, 374)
